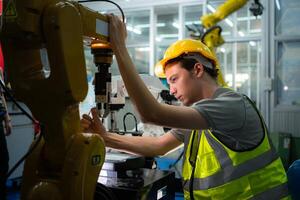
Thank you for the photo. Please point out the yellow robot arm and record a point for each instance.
(212, 37)
(222, 12)
(66, 163)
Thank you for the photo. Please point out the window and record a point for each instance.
(138, 41)
(288, 73)
(242, 74)
(287, 61)
(167, 26)
(192, 20)
(248, 63)
(247, 24)
(287, 14)
(227, 24)
(224, 54)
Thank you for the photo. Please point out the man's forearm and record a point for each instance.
(146, 146)
(137, 90)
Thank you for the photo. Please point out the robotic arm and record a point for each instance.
(212, 36)
(222, 12)
(66, 163)
(209, 21)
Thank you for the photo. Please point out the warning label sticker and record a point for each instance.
(10, 11)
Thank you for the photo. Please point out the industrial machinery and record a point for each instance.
(66, 162)
(212, 37)
(210, 33)
(102, 58)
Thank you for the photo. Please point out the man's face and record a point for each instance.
(182, 83)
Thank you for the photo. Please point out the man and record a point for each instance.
(5, 130)
(227, 151)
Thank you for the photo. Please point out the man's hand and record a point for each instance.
(92, 124)
(117, 32)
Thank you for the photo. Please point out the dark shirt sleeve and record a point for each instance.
(232, 119)
(224, 113)
(180, 133)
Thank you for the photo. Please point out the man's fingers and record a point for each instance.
(85, 116)
(92, 124)
(86, 121)
(85, 127)
(95, 115)
(98, 124)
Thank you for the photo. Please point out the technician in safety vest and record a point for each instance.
(228, 154)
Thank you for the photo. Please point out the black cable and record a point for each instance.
(28, 152)
(124, 124)
(16, 103)
(177, 160)
(123, 16)
(7, 92)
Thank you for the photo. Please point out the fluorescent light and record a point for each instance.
(147, 25)
(212, 9)
(160, 24)
(285, 88)
(143, 49)
(158, 39)
(168, 35)
(222, 50)
(229, 22)
(192, 22)
(242, 34)
(142, 26)
(277, 4)
(134, 30)
(175, 24)
(252, 43)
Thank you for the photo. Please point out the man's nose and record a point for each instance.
(172, 90)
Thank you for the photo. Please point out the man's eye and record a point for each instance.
(173, 79)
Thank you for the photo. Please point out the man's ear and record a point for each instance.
(198, 70)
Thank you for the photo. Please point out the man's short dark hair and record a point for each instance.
(188, 63)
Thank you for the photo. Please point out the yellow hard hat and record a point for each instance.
(180, 47)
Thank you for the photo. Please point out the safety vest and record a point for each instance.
(212, 170)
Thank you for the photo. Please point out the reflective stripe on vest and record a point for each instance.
(258, 175)
(277, 192)
(230, 172)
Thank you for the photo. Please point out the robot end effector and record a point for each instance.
(106, 101)
(102, 58)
